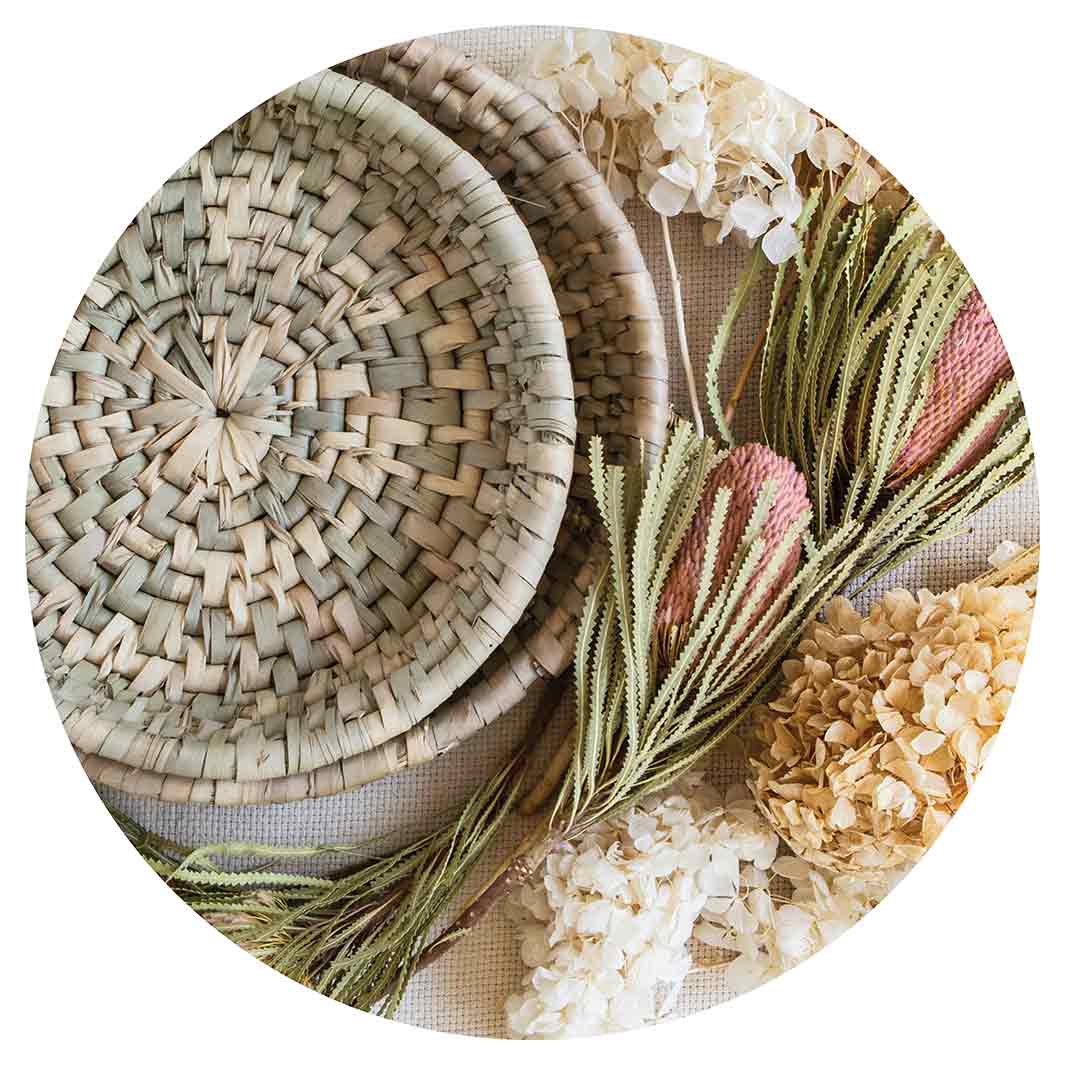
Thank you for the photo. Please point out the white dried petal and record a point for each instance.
(621, 187)
(791, 868)
(1007, 673)
(927, 742)
(843, 814)
(786, 200)
(780, 243)
(688, 74)
(1005, 552)
(865, 183)
(597, 45)
(617, 105)
(830, 150)
(751, 214)
(650, 88)
(744, 974)
(548, 91)
(680, 120)
(594, 135)
(668, 198)
(577, 90)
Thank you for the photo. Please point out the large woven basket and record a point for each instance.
(305, 451)
(618, 357)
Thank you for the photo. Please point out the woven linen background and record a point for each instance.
(464, 992)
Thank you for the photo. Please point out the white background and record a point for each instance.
(960, 100)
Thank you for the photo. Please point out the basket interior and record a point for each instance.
(305, 451)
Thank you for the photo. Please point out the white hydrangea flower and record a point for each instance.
(605, 931)
(691, 134)
(771, 937)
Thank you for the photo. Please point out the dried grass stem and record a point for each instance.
(682, 332)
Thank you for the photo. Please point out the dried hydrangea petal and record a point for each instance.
(780, 243)
(830, 150)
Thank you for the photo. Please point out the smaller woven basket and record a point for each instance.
(305, 451)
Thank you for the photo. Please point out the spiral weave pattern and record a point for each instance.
(305, 451)
(617, 356)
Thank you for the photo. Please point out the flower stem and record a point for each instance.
(682, 332)
(748, 361)
(545, 787)
(741, 380)
(529, 854)
(515, 870)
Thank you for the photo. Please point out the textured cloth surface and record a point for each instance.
(464, 991)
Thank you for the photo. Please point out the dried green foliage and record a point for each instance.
(642, 721)
(356, 937)
(857, 322)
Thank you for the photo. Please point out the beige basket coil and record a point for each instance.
(621, 373)
(304, 452)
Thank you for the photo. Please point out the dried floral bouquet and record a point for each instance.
(889, 418)
(878, 729)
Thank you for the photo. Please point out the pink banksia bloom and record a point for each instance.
(971, 361)
(744, 470)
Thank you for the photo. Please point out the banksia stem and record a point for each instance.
(971, 361)
(744, 470)
(518, 869)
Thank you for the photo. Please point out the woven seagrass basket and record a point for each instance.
(305, 451)
(621, 377)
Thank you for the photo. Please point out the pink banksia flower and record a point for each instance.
(971, 361)
(744, 470)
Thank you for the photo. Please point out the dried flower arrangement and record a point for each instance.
(609, 929)
(689, 133)
(607, 926)
(861, 371)
(874, 444)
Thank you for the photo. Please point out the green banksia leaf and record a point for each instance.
(971, 361)
(744, 471)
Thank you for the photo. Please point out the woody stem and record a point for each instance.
(682, 332)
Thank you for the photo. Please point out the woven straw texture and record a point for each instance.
(464, 991)
(617, 354)
(305, 452)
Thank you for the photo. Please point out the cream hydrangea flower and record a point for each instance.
(690, 134)
(883, 722)
(607, 929)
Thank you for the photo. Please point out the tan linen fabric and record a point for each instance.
(464, 992)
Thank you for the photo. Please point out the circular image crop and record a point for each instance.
(538, 504)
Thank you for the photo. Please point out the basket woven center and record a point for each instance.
(227, 423)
